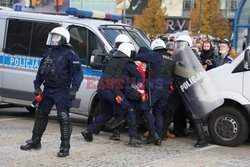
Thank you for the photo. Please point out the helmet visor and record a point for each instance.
(54, 39)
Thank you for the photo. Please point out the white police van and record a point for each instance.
(229, 124)
(23, 37)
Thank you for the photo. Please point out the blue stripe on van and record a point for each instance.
(1, 59)
(91, 72)
(20, 62)
(24, 62)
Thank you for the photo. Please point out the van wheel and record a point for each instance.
(31, 110)
(228, 126)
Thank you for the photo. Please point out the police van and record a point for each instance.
(23, 37)
(229, 124)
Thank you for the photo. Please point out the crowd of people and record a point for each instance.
(212, 52)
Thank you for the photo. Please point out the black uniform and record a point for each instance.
(61, 74)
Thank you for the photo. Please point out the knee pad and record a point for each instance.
(63, 115)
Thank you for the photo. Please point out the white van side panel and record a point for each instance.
(229, 84)
(235, 97)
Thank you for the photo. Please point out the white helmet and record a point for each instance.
(58, 36)
(185, 38)
(120, 39)
(158, 44)
(126, 48)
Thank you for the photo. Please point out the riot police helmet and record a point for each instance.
(58, 36)
(127, 48)
(158, 44)
(120, 39)
(185, 38)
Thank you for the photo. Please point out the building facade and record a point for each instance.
(177, 11)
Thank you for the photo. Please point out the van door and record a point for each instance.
(24, 46)
(84, 41)
(246, 85)
(2, 31)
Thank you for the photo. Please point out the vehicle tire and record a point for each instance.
(95, 112)
(31, 110)
(228, 126)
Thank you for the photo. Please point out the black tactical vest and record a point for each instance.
(114, 69)
(50, 69)
(167, 67)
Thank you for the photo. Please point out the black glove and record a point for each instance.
(72, 94)
(37, 91)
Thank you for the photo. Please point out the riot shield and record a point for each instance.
(193, 83)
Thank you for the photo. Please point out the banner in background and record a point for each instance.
(133, 7)
(43, 6)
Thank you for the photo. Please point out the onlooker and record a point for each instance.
(172, 38)
(224, 54)
(207, 54)
(233, 53)
(244, 45)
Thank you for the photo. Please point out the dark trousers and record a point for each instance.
(108, 106)
(57, 97)
(159, 103)
(146, 114)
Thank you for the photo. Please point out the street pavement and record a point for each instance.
(16, 126)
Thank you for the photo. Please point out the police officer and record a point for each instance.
(118, 40)
(60, 73)
(182, 72)
(170, 48)
(162, 67)
(113, 80)
(117, 120)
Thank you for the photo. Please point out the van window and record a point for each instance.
(136, 36)
(84, 42)
(18, 37)
(27, 38)
(78, 39)
(39, 38)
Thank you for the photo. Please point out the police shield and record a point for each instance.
(193, 83)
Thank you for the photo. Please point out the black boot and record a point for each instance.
(201, 138)
(66, 129)
(31, 144)
(115, 136)
(40, 125)
(153, 138)
(87, 135)
(135, 141)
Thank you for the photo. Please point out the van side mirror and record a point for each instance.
(96, 59)
(247, 60)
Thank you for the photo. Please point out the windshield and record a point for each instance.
(136, 36)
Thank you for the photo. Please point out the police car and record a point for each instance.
(23, 37)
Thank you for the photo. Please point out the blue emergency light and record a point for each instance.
(92, 14)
